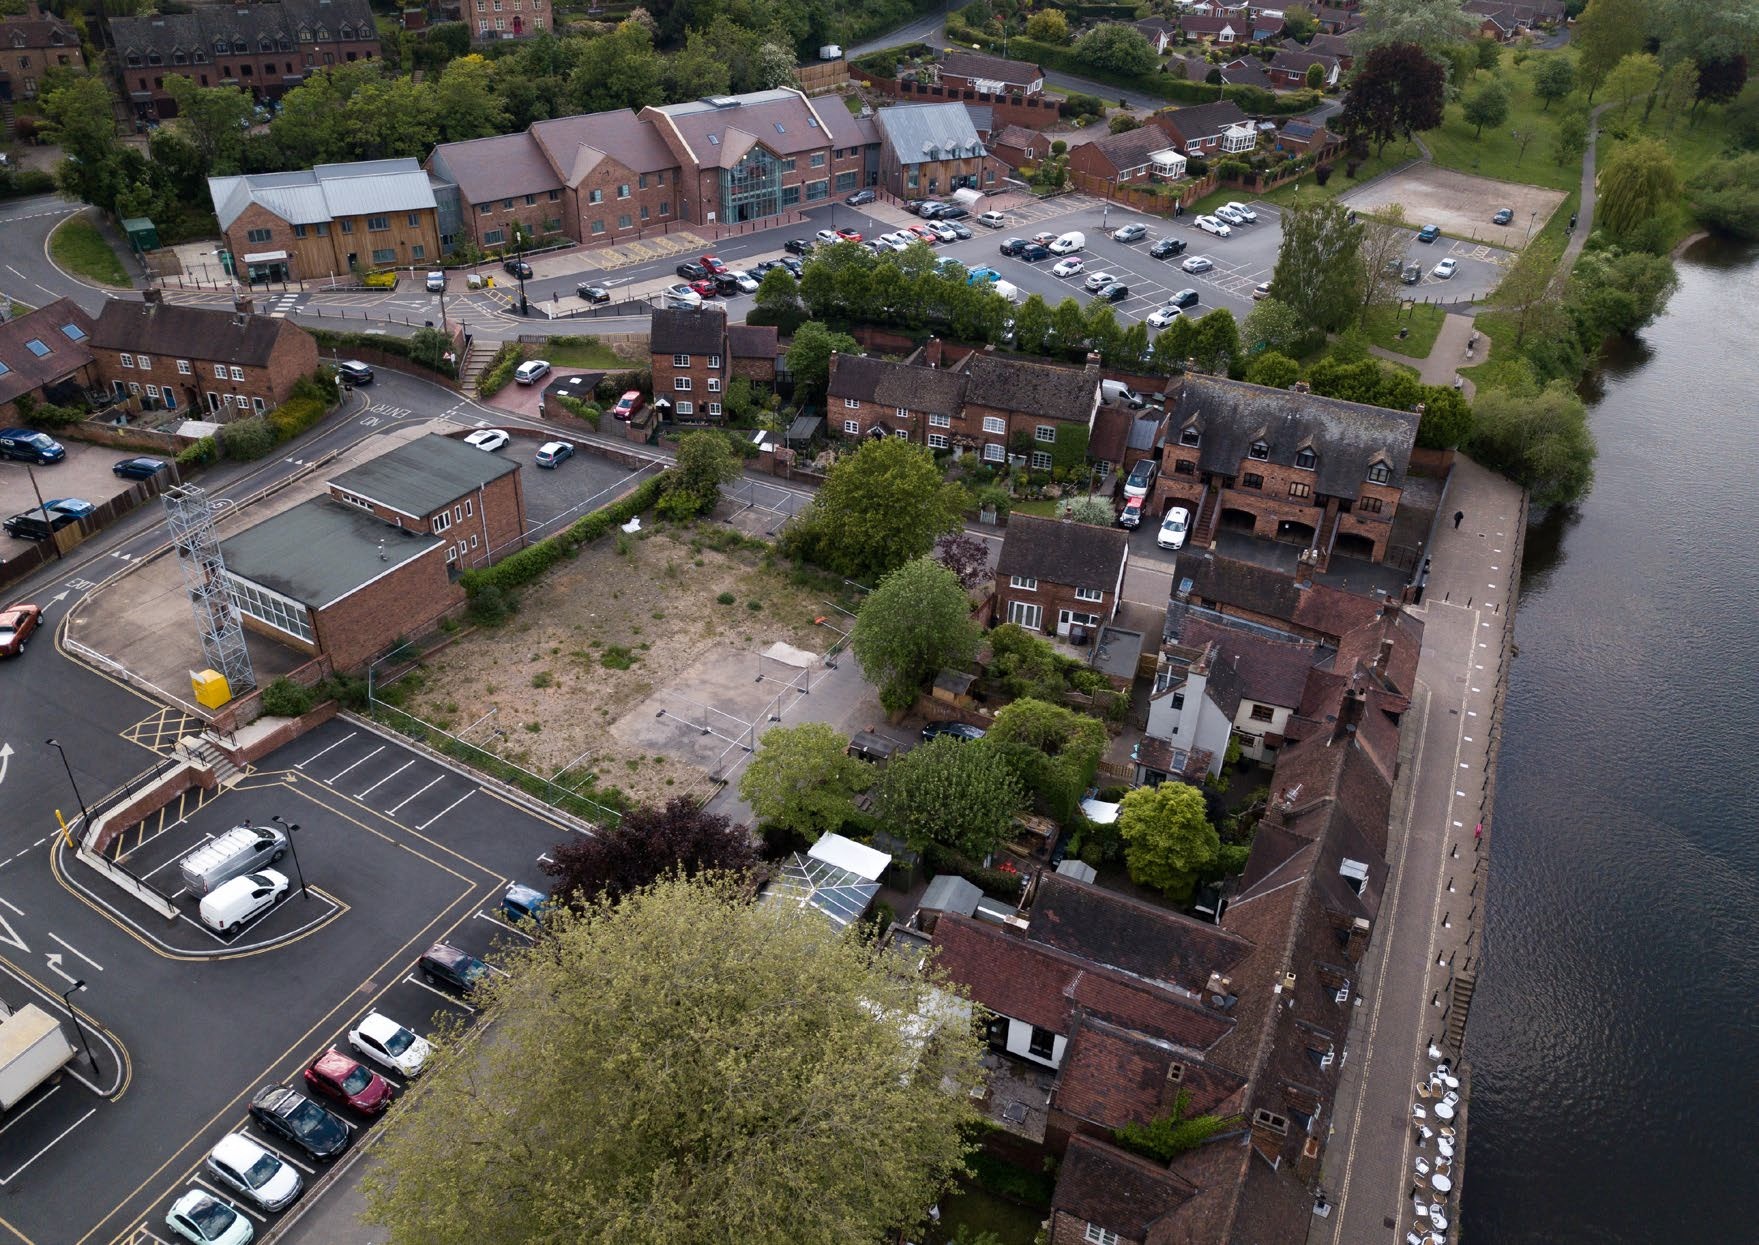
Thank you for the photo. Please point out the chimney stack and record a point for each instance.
(152, 297)
(244, 304)
(933, 352)
(1386, 652)
(1349, 715)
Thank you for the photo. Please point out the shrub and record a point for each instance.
(584, 411)
(495, 376)
(521, 568)
(200, 454)
(245, 439)
(425, 347)
(48, 415)
(380, 280)
(286, 699)
(726, 598)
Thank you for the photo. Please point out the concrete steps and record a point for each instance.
(1458, 1006)
(476, 361)
(204, 750)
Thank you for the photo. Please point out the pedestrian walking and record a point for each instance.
(1458, 516)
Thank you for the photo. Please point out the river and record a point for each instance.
(1613, 1035)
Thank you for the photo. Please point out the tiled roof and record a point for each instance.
(1402, 636)
(699, 330)
(889, 383)
(919, 133)
(1200, 120)
(1009, 384)
(325, 191)
(1111, 430)
(1247, 71)
(1103, 1185)
(846, 129)
(62, 330)
(1331, 45)
(1061, 551)
(752, 341)
(1272, 672)
(1327, 611)
(572, 145)
(719, 131)
(1203, 24)
(990, 68)
(297, 21)
(1131, 148)
(41, 31)
(1146, 941)
(1299, 61)
(494, 168)
(207, 333)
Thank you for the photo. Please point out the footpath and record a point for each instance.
(1421, 970)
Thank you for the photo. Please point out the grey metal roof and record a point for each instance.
(321, 551)
(919, 133)
(325, 191)
(422, 476)
(950, 893)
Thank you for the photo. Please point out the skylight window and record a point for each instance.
(36, 347)
(780, 128)
(74, 332)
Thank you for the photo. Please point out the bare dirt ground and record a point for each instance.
(661, 618)
(1461, 203)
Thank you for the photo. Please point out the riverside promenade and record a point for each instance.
(1421, 969)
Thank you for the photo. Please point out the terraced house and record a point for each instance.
(31, 44)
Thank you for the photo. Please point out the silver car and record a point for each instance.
(261, 1175)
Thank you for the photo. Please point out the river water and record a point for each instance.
(1615, 1033)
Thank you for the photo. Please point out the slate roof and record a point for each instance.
(324, 21)
(1131, 148)
(495, 168)
(720, 131)
(1103, 1185)
(1247, 71)
(420, 476)
(889, 383)
(325, 191)
(1146, 941)
(992, 68)
(1200, 120)
(1205, 24)
(752, 341)
(574, 145)
(1009, 384)
(1319, 608)
(848, 130)
(209, 333)
(1272, 672)
(22, 369)
(42, 30)
(919, 133)
(1348, 437)
(1021, 137)
(1300, 60)
(1111, 430)
(322, 550)
(699, 330)
(1060, 551)
(1330, 45)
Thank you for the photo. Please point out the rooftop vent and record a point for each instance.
(722, 101)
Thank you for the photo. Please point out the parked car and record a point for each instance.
(242, 849)
(354, 372)
(346, 1080)
(1118, 391)
(1227, 216)
(1413, 273)
(793, 265)
(78, 507)
(727, 284)
(627, 405)
(30, 445)
(593, 293)
(1445, 269)
(554, 453)
(928, 209)
(436, 282)
(521, 903)
(991, 220)
(922, 233)
(265, 1179)
(1261, 291)
(1174, 528)
(743, 281)
(1067, 267)
(1130, 233)
(1141, 478)
(951, 212)
(797, 246)
(960, 230)
(138, 468)
(528, 373)
(203, 1219)
(690, 270)
(231, 904)
(982, 273)
(1503, 216)
(1012, 246)
(518, 268)
(1160, 317)
(682, 297)
(1131, 515)
(849, 235)
(297, 1119)
(1197, 263)
(953, 730)
(1035, 251)
(1116, 292)
(17, 622)
(1166, 248)
(1429, 233)
(38, 524)
(1099, 280)
(704, 287)
(942, 232)
(713, 264)
(860, 198)
(1210, 224)
(489, 439)
(445, 965)
(1242, 211)
(390, 1045)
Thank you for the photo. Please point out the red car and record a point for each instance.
(714, 265)
(336, 1076)
(704, 287)
(17, 621)
(924, 234)
(849, 235)
(627, 405)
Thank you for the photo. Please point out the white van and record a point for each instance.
(239, 850)
(1118, 391)
(237, 901)
(1068, 244)
(1008, 290)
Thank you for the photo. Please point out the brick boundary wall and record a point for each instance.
(184, 778)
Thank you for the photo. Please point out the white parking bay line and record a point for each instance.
(314, 756)
(393, 810)
(454, 804)
(53, 1090)
(231, 1199)
(81, 954)
(40, 1153)
(363, 760)
(285, 1157)
(456, 1002)
(387, 778)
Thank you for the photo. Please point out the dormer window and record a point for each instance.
(284, 43)
(1259, 449)
(1306, 459)
(219, 47)
(177, 58)
(18, 41)
(304, 35)
(199, 57)
(265, 44)
(134, 60)
(1190, 435)
(1380, 473)
(153, 58)
(239, 47)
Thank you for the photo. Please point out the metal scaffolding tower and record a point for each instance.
(191, 519)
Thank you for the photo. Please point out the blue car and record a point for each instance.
(138, 468)
(30, 445)
(985, 273)
(74, 506)
(1429, 233)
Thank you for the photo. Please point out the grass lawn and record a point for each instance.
(1693, 147)
(1396, 153)
(584, 352)
(78, 246)
(1493, 373)
(1497, 152)
(19, 309)
(978, 1211)
(1423, 321)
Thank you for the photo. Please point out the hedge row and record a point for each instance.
(529, 563)
(495, 376)
(409, 348)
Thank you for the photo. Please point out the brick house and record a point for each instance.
(1288, 68)
(46, 357)
(267, 48)
(1293, 603)
(989, 75)
(207, 362)
(493, 20)
(1246, 71)
(873, 397)
(31, 44)
(328, 221)
(1208, 129)
(439, 486)
(1272, 669)
(1015, 145)
(1159, 32)
(1285, 465)
(1132, 156)
(697, 354)
(933, 149)
(1024, 409)
(1213, 29)
(1055, 574)
(1336, 20)
(1303, 136)
(1337, 46)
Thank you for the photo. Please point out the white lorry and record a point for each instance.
(32, 1049)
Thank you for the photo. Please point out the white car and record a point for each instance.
(1242, 211)
(1174, 528)
(1210, 224)
(262, 1176)
(436, 282)
(531, 371)
(1160, 317)
(1067, 267)
(682, 296)
(1197, 263)
(203, 1219)
(1227, 215)
(385, 1042)
(827, 236)
(490, 439)
(899, 241)
(1445, 269)
(745, 281)
(1099, 280)
(232, 903)
(942, 230)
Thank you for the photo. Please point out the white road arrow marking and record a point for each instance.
(11, 938)
(5, 759)
(58, 598)
(54, 958)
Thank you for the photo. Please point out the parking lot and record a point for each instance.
(556, 496)
(85, 473)
(1461, 204)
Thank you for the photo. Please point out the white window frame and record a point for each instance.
(1027, 614)
(937, 441)
(714, 384)
(994, 453)
(995, 425)
(680, 360)
(238, 373)
(442, 521)
(183, 367)
(1090, 594)
(940, 421)
(1045, 433)
(681, 384)
(853, 404)
(219, 371)
(1096, 1235)
(685, 408)
(1042, 461)
(714, 408)
(127, 360)
(852, 427)
(1026, 583)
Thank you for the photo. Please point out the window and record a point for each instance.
(624, 221)
(378, 224)
(457, 512)
(1025, 583)
(1041, 461)
(680, 360)
(845, 181)
(993, 453)
(268, 607)
(937, 441)
(485, 208)
(1369, 505)
(1259, 450)
(237, 373)
(643, 212)
(714, 361)
(256, 405)
(852, 427)
(818, 190)
(681, 384)
(790, 196)
(853, 404)
(258, 235)
(714, 384)
(940, 421)
(1263, 713)
(1271, 1120)
(469, 507)
(152, 391)
(714, 408)
(685, 408)
(506, 204)
(1099, 1236)
(995, 424)
(141, 361)
(1025, 614)
(418, 251)
(299, 231)
(623, 190)
(555, 196)
(818, 160)
(530, 201)
(1189, 435)
(183, 367)
(787, 164)
(1042, 1043)
(1300, 489)
(1380, 473)
(598, 226)
(1184, 467)
(1090, 594)
(494, 237)
(413, 220)
(903, 434)
(442, 521)
(127, 360)
(384, 255)
(595, 196)
(451, 554)
(1045, 432)
(219, 371)
(1251, 480)
(347, 226)
(1305, 459)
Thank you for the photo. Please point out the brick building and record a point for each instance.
(1288, 68)
(1285, 465)
(1293, 603)
(207, 362)
(1055, 575)
(1208, 129)
(1015, 145)
(1131, 156)
(442, 487)
(934, 149)
(268, 48)
(872, 397)
(697, 355)
(493, 20)
(45, 356)
(1025, 409)
(328, 221)
(989, 75)
(31, 44)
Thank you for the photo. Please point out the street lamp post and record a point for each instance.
(77, 1027)
(519, 243)
(70, 782)
(1531, 217)
(290, 828)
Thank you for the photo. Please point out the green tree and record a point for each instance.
(957, 794)
(1704, 28)
(1216, 342)
(1299, 23)
(1032, 322)
(1278, 371)
(880, 508)
(1378, 260)
(705, 462)
(699, 1051)
(1606, 32)
(1054, 751)
(79, 120)
(778, 302)
(1677, 92)
(1068, 334)
(1636, 184)
(1048, 26)
(465, 104)
(1177, 1132)
(1398, 90)
(695, 71)
(214, 120)
(914, 625)
(1115, 48)
(1172, 345)
(1488, 53)
(809, 357)
(803, 778)
(1553, 79)
(1315, 77)
(1531, 291)
(1168, 840)
(1447, 419)
(1432, 25)
(1636, 75)
(1488, 104)
(1618, 291)
(1273, 322)
(1096, 511)
(1725, 196)
(1316, 264)
(1569, 139)
(618, 70)
(1539, 438)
